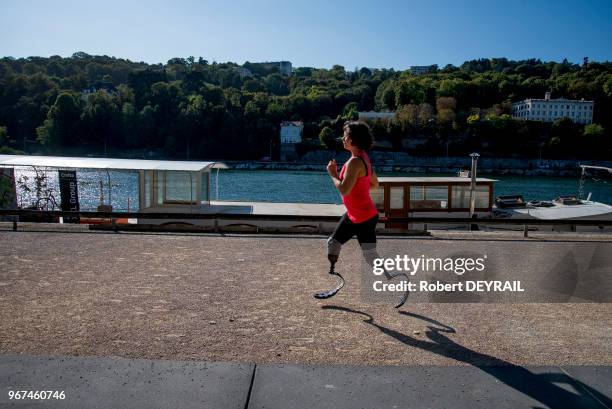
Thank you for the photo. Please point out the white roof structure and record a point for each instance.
(107, 163)
(431, 179)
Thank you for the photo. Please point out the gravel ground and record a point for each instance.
(249, 299)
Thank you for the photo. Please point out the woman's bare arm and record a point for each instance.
(373, 180)
(345, 185)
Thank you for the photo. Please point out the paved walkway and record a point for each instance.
(160, 310)
(151, 384)
(249, 299)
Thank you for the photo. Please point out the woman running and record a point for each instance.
(354, 182)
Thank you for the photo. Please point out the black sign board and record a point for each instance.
(8, 198)
(69, 193)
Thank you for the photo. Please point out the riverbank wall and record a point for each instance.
(403, 163)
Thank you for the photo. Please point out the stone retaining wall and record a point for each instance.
(402, 162)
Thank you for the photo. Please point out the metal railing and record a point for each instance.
(112, 217)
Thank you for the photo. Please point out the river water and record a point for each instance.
(291, 186)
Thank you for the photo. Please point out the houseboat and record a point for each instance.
(432, 197)
(185, 187)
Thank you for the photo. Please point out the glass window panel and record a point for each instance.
(148, 184)
(417, 193)
(437, 195)
(397, 197)
(461, 197)
(180, 187)
(159, 185)
(428, 197)
(482, 196)
(204, 186)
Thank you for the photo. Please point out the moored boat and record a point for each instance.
(561, 208)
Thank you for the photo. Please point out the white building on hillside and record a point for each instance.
(549, 110)
(421, 69)
(291, 131)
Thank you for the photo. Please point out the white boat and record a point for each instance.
(561, 208)
(558, 210)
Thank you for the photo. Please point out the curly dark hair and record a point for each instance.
(360, 134)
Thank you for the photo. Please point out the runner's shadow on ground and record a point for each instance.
(541, 387)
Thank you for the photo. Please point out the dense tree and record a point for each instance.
(189, 107)
(327, 137)
(61, 128)
(3, 135)
(101, 121)
(593, 130)
(276, 84)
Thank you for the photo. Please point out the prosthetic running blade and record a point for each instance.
(332, 291)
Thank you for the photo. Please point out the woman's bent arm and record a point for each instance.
(345, 185)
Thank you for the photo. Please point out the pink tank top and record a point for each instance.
(359, 204)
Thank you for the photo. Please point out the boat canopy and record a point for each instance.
(65, 162)
(160, 182)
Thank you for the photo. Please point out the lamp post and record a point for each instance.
(474, 157)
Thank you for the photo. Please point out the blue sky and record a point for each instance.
(389, 34)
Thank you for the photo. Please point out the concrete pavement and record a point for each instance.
(89, 382)
(174, 320)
